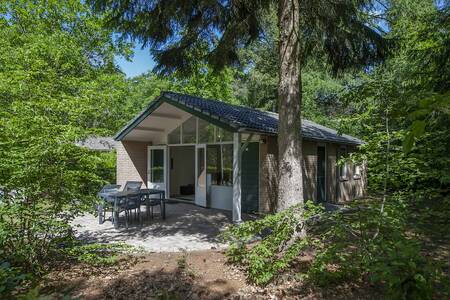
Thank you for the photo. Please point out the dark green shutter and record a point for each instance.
(250, 178)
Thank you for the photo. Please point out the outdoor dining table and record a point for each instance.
(114, 199)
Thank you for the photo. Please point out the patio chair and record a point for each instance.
(132, 186)
(110, 188)
(133, 202)
(154, 202)
(103, 194)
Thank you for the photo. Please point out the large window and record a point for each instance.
(224, 135)
(202, 133)
(206, 131)
(189, 131)
(157, 166)
(201, 167)
(219, 159)
(174, 136)
(213, 161)
(227, 164)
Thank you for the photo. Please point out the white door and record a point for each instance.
(200, 175)
(157, 168)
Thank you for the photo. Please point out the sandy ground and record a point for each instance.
(172, 275)
(186, 227)
(185, 275)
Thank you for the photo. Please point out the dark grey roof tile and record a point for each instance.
(256, 120)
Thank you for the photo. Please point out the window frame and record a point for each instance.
(216, 132)
(220, 161)
(152, 168)
(342, 152)
(357, 171)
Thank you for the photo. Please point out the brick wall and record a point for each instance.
(131, 162)
(268, 172)
(337, 190)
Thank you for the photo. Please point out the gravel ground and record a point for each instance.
(187, 227)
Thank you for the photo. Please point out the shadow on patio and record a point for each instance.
(186, 227)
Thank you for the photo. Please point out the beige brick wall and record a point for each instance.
(337, 190)
(131, 162)
(269, 169)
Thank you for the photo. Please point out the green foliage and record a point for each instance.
(58, 85)
(181, 38)
(404, 270)
(256, 85)
(282, 240)
(204, 83)
(10, 278)
(406, 101)
(365, 242)
(358, 243)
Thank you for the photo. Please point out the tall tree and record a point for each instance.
(215, 30)
(205, 83)
(58, 84)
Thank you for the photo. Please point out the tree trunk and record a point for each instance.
(290, 184)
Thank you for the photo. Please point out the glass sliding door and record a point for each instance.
(200, 175)
(156, 176)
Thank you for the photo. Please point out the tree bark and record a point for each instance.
(290, 184)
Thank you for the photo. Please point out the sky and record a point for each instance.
(141, 62)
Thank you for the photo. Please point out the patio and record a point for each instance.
(186, 226)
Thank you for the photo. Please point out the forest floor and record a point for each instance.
(187, 275)
(205, 274)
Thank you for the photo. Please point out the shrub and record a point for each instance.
(10, 278)
(354, 244)
(280, 240)
(363, 243)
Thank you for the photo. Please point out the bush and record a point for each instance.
(358, 243)
(40, 202)
(10, 278)
(280, 240)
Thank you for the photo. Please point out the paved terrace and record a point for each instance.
(186, 227)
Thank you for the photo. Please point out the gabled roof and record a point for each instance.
(236, 118)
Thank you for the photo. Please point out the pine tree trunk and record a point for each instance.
(290, 185)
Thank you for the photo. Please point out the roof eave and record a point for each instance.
(138, 119)
(188, 108)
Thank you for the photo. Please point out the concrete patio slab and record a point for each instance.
(186, 227)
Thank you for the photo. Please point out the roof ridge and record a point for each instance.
(222, 102)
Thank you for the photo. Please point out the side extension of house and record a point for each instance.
(342, 183)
